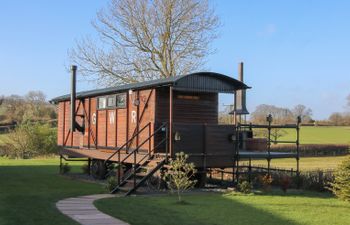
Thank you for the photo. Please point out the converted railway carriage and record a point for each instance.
(144, 124)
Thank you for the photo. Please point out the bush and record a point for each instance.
(310, 180)
(316, 180)
(341, 184)
(29, 140)
(244, 187)
(285, 183)
(111, 184)
(266, 182)
(314, 149)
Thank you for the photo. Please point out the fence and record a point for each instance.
(318, 180)
(314, 149)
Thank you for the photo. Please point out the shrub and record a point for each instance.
(266, 182)
(244, 187)
(341, 184)
(65, 168)
(111, 183)
(179, 176)
(314, 149)
(29, 140)
(285, 183)
(315, 180)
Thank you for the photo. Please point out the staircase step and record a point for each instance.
(123, 189)
(141, 174)
(148, 167)
(153, 163)
(131, 181)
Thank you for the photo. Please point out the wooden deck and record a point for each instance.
(102, 154)
(265, 155)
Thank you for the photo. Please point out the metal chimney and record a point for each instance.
(240, 71)
(240, 97)
(73, 96)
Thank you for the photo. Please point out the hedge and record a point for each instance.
(314, 149)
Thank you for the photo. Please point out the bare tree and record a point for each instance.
(36, 105)
(280, 115)
(303, 112)
(224, 115)
(1, 99)
(31, 107)
(336, 118)
(147, 39)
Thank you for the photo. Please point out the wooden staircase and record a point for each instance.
(144, 164)
(137, 176)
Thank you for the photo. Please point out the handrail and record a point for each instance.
(147, 155)
(126, 143)
(269, 126)
(135, 163)
(136, 149)
(286, 126)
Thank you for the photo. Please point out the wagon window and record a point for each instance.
(102, 103)
(121, 100)
(111, 101)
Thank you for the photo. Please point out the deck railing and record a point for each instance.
(269, 126)
(137, 163)
(148, 125)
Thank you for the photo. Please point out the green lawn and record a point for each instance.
(306, 163)
(214, 209)
(320, 135)
(29, 190)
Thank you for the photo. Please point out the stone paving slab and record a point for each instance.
(82, 210)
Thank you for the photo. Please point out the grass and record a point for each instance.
(214, 209)
(320, 135)
(2, 138)
(29, 190)
(306, 163)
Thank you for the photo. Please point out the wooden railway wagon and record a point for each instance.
(140, 126)
(107, 119)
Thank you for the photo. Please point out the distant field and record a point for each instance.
(306, 163)
(320, 135)
(2, 138)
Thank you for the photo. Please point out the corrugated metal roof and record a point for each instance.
(198, 82)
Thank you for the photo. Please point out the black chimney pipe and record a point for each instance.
(240, 96)
(240, 71)
(73, 96)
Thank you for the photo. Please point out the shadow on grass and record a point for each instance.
(296, 192)
(28, 194)
(209, 209)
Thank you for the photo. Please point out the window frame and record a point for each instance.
(115, 106)
(116, 100)
(98, 103)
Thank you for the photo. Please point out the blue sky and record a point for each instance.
(295, 52)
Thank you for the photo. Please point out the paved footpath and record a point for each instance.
(82, 210)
